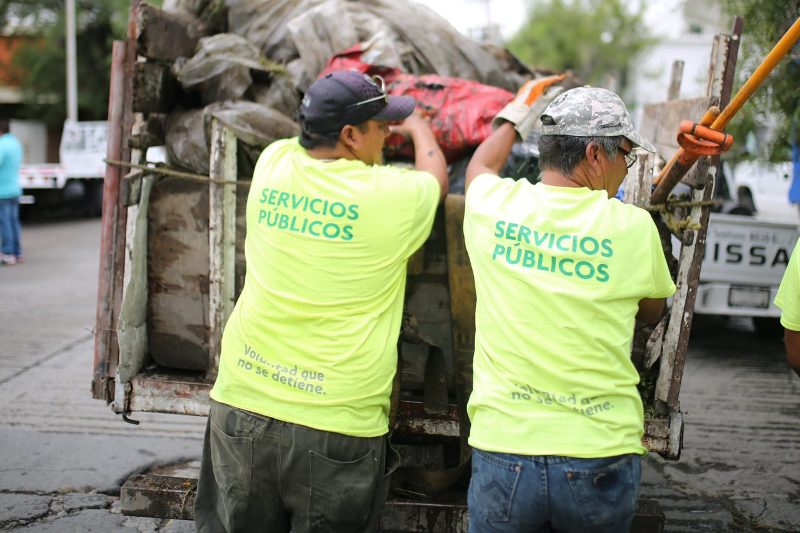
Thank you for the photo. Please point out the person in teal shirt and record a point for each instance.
(788, 299)
(10, 191)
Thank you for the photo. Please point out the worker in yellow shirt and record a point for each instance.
(562, 272)
(296, 437)
(788, 299)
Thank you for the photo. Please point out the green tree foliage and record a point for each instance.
(594, 38)
(765, 22)
(42, 62)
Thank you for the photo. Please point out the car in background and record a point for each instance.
(762, 188)
(750, 238)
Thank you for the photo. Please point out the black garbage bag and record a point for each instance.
(223, 68)
(255, 126)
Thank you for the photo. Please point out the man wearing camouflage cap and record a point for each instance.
(562, 271)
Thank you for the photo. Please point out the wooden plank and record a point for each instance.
(151, 133)
(462, 309)
(660, 122)
(413, 420)
(170, 497)
(447, 514)
(664, 435)
(187, 393)
(165, 36)
(221, 238)
(167, 497)
(131, 188)
(721, 81)
(675, 79)
(120, 230)
(174, 392)
(103, 337)
(173, 498)
(674, 347)
(183, 392)
(733, 53)
(676, 338)
(639, 181)
(113, 232)
(154, 88)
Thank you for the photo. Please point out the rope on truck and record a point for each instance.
(667, 208)
(172, 173)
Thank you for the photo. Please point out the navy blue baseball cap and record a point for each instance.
(349, 97)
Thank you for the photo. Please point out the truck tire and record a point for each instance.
(745, 198)
(741, 210)
(767, 327)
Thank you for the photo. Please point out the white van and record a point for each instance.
(763, 188)
(748, 244)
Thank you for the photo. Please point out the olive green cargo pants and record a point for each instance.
(259, 474)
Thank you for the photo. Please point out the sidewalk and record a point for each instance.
(65, 455)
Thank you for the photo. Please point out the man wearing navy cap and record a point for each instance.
(296, 438)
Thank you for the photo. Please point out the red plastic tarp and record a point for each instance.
(460, 111)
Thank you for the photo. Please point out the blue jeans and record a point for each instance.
(510, 493)
(9, 226)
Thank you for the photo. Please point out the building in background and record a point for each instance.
(40, 143)
(686, 32)
(10, 94)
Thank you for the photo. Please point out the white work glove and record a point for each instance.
(522, 111)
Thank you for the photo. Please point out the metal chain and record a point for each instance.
(678, 225)
(671, 205)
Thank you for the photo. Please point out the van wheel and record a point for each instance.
(746, 199)
(741, 211)
(767, 327)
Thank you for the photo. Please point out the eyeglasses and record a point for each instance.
(383, 96)
(630, 158)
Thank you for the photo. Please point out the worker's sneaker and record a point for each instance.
(7, 259)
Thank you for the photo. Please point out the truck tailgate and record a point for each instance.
(747, 250)
(745, 258)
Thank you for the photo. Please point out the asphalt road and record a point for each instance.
(64, 456)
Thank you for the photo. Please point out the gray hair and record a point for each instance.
(565, 152)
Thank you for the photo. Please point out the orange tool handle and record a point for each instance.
(783, 46)
(698, 140)
(673, 171)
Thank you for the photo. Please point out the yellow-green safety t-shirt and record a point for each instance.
(559, 273)
(788, 297)
(312, 339)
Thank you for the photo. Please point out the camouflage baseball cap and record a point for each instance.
(591, 112)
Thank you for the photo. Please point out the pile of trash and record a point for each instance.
(258, 58)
